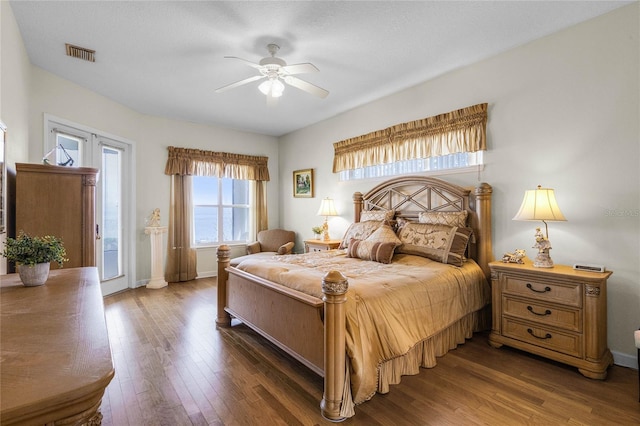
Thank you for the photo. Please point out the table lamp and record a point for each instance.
(327, 208)
(540, 204)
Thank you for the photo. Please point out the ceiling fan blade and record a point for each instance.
(251, 64)
(239, 83)
(306, 86)
(299, 68)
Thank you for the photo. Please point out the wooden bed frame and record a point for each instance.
(312, 330)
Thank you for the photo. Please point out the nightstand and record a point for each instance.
(320, 245)
(558, 313)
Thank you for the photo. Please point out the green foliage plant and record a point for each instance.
(28, 250)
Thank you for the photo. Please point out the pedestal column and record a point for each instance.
(157, 264)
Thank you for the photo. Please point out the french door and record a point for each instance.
(73, 145)
(112, 249)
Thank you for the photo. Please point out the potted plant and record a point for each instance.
(32, 256)
(317, 230)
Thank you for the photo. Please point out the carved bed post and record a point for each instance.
(357, 205)
(483, 209)
(334, 288)
(223, 318)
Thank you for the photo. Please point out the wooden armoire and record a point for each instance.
(59, 201)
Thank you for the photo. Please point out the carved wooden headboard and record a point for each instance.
(410, 195)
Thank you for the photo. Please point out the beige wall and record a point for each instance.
(563, 113)
(14, 95)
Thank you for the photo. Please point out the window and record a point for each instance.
(445, 143)
(221, 210)
(452, 163)
(67, 146)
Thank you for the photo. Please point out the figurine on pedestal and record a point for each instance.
(542, 260)
(155, 231)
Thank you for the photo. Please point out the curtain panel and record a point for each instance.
(181, 257)
(463, 130)
(196, 162)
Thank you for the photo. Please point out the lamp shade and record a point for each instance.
(273, 87)
(327, 208)
(539, 204)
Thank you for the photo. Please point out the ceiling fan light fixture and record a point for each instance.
(273, 87)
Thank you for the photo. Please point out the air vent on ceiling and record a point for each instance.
(80, 53)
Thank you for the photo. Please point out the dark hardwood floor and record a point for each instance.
(173, 367)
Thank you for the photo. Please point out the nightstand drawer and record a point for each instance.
(553, 315)
(565, 294)
(568, 343)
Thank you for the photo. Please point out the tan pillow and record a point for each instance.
(400, 223)
(444, 218)
(253, 248)
(442, 243)
(359, 231)
(384, 234)
(286, 248)
(379, 215)
(371, 250)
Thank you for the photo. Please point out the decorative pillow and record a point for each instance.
(286, 248)
(384, 234)
(359, 231)
(371, 250)
(400, 223)
(444, 218)
(253, 247)
(442, 243)
(379, 215)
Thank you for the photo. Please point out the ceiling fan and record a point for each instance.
(276, 71)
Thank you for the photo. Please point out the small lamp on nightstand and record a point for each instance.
(327, 208)
(541, 204)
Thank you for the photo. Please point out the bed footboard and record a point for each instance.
(307, 328)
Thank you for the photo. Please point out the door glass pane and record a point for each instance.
(68, 151)
(111, 212)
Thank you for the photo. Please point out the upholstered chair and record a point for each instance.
(270, 242)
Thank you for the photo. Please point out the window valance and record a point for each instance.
(185, 161)
(463, 130)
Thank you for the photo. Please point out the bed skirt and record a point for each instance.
(423, 354)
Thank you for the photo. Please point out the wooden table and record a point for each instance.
(55, 358)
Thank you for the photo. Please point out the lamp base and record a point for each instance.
(325, 230)
(543, 260)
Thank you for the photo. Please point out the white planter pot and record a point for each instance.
(34, 275)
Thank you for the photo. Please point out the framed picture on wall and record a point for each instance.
(303, 183)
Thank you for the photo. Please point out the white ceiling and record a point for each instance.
(166, 58)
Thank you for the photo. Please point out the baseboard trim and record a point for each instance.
(625, 360)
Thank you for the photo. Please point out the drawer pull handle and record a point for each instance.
(546, 289)
(545, 313)
(546, 336)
